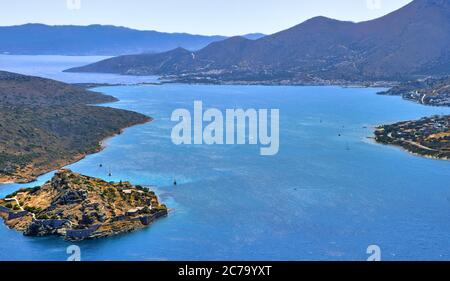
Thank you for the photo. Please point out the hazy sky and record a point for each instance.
(224, 17)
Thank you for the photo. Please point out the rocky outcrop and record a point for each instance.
(46, 227)
(54, 123)
(71, 197)
(78, 207)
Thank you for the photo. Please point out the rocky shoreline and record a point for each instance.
(30, 174)
(78, 207)
(428, 137)
(46, 124)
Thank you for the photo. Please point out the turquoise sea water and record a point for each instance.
(323, 197)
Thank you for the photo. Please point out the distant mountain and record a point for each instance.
(254, 36)
(411, 42)
(39, 39)
(45, 124)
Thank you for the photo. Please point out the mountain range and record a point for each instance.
(40, 39)
(406, 44)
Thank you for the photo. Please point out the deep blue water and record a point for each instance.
(323, 197)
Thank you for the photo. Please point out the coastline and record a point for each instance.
(406, 135)
(373, 140)
(203, 81)
(344, 84)
(30, 176)
(47, 210)
(5, 182)
(409, 151)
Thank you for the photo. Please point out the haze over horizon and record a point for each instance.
(207, 17)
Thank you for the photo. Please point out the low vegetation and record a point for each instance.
(79, 207)
(45, 124)
(428, 136)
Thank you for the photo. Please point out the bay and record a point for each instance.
(328, 194)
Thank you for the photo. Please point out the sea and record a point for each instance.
(331, 192)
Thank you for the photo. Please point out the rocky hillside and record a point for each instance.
(45, 125)
(23, 90)
(411, 42)
(78, 207)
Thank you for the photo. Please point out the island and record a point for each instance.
(428, 137)
(46, 125)
(78, 207)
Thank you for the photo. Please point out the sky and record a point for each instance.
(209, 17)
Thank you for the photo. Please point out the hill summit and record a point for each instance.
(411, 42)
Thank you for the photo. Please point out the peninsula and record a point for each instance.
(78, 207)
(46, 125)
(428, 137)
(431, 91)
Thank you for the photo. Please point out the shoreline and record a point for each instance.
(169, 79)
(373, 141)
(343, 84)
(76, 158)
(407, 136)
(47, 218)
(103, 143)
(399, 147)
(381, 84)
(6, 182)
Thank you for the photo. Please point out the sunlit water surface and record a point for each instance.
(322, 197)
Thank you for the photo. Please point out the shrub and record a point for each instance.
(110, 193)
(32, 209)
(35, 189)
(146, 210)
(42, 217)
